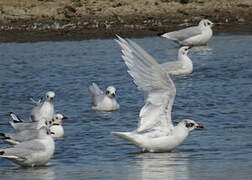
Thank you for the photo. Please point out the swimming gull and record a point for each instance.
(182, 66)
(101, 101)
(56, 127)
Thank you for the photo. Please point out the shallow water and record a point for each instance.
(218, 94)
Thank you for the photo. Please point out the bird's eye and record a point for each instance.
(186, 49)
(57, 118)
(189, 125)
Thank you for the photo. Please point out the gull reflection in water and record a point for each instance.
(38, 173)
(163, 166)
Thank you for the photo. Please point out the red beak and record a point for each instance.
(189, 47)
(217, 24)
(200, 126)
(64, 118)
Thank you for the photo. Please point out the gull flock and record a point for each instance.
(33, 144)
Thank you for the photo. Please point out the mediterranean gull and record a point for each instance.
(155, 132)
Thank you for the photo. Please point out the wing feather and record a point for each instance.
(183, 34)
(156, 83)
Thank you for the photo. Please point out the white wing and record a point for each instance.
(158, 86)
(97, 93)
(95, 90)
(24, 150)
(183, 34)
(35, 113)
(36, 102)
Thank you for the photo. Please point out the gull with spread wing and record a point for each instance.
(155, 132)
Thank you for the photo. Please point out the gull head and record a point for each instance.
(48, 123)
(57, 118)
(111, 92)
(50, 95)
(190, 125)
(184, 50)
(206, 23)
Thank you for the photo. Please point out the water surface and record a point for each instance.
(218, 94)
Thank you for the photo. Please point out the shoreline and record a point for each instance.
(55, 20)
(20, 36)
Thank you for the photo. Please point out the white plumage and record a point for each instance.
(155, 132)
(182, 66)
(56, 127)
(31, 153)
(196, 35)
(45, 110)
(101, 101)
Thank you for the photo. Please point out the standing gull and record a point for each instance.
(31, 153)
(196, 35)
(101, 101)
(155, 132)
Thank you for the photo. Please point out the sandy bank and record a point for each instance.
(32, 20)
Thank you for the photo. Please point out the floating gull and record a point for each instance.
(56, 127)
(155, 132)
(182, 66)
(44, 110)
(31, 153)
(196, 35)
(101, 101)
(29, 131)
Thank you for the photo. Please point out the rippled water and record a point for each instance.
(218, 94)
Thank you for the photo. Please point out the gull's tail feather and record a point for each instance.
(2, 135)
(11, 141)
(126, 135)
(15, 118)
(169, 35)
